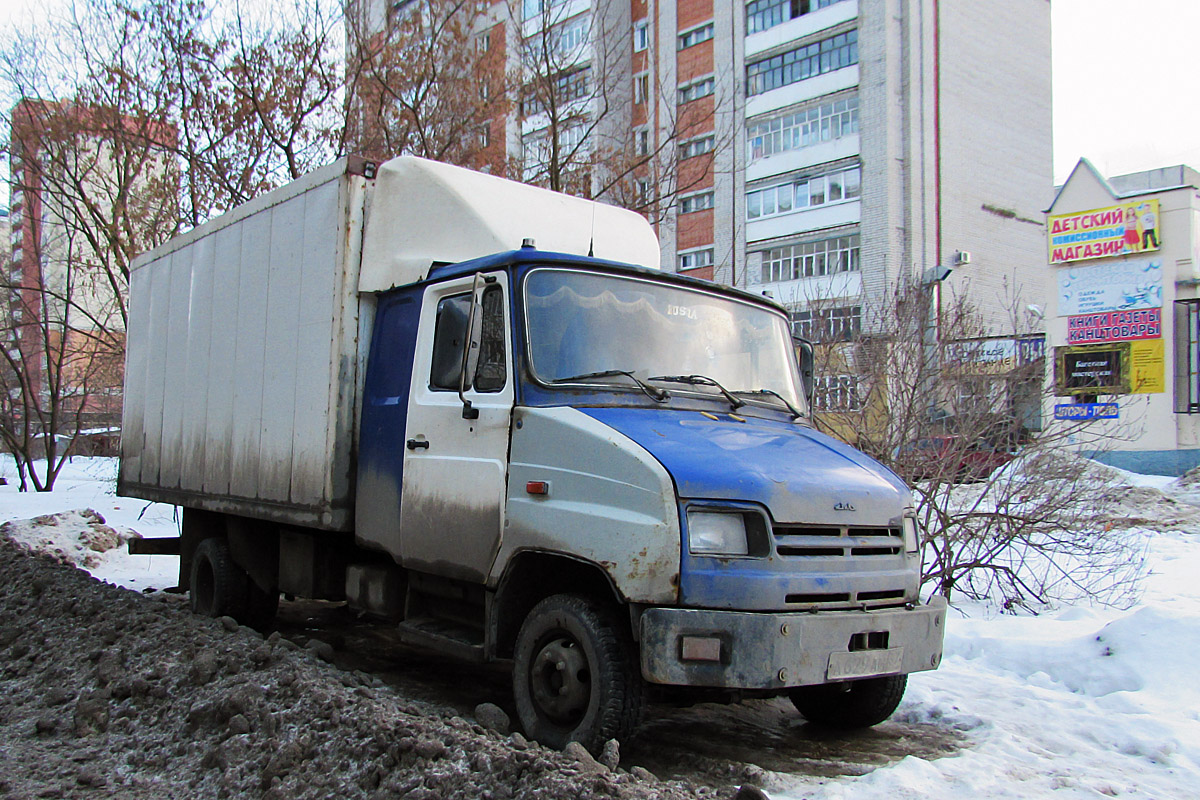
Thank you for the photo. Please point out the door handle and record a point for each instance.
(417, 444)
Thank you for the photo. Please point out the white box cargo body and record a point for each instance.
(242, 365)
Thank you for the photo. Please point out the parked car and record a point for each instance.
(949, 457)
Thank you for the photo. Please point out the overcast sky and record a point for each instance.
(1126, 81)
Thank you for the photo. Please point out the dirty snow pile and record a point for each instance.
(111, 693)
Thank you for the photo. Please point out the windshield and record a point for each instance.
(581, 323)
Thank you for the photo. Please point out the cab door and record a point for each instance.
(456, 456)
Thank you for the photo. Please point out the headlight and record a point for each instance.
(716, 533)
(912, 541)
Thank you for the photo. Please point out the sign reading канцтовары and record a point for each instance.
(1115, 326)
(1103, 232)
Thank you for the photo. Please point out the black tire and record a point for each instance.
(575, 675)
(219, 586)
(854, 704)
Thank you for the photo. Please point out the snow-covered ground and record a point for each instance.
(1079, 701)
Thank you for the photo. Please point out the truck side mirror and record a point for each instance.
(471, 349)
(806, 358)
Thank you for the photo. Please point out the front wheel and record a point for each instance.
(854, 704)
(575, 675)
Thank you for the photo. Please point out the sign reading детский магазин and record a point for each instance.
(1129, 228)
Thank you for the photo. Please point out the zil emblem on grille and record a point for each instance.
(843, 506)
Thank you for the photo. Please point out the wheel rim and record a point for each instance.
(560, 680)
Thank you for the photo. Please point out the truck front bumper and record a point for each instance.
(757, 650)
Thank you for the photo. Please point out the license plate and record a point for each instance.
(865, 663)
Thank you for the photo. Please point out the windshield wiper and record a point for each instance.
(654, 393)
(791, 408)
(702, 380)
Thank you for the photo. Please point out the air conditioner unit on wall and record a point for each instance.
(962, 257)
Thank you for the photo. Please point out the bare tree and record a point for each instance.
(431, 83)
(1007, 505)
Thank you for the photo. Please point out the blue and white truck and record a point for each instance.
(475, 408)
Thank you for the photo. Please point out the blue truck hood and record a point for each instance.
(799, 475)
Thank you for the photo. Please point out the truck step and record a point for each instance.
(458, 641)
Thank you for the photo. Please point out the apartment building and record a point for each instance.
(816, 150)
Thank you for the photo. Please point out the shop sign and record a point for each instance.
(1147, 361)
(1082, 412)
(1114, 326)
(997, 355)
(1116, 286)
(1092, 369)
(1122, 230)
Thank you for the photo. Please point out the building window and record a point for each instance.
(641, 139)
(802, 63)
(816, 124)
(696, 36)
(566, 38)
(567, 87)
(823, 325)
(837, 393)
(811, 259)
(694, 259)
(696, 147)
(484, 135)
(641, 88)
(641, 35)
(643, 190)
(798, 195)
(697, 89)
(1187, 356)
(696, 202)
(483, 42)
(535, 8)
(764, 14)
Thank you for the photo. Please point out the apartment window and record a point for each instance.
(697, 147)
(837, 393)
(1187, 356)
(764, 14)
(816, 124)
(483, 42)
(694, 259)
(697, 89)
(641, 35)
(643, 190)
(641, 139)
(804, 193)
(535, 8)
(802, 63)
(484, 135)
(641, 87)
(696, 36)
(696, 202)
(567, 87)
(567, 38)
(811, 259)
(838, 324)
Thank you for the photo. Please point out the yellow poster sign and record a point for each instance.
(1148, 365)
(1133, 227)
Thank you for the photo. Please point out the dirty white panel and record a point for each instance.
(316, 343)
(134, 407)
(284, 273)
(250, 357)
(159, 285)
(221, 369)
(196, 379)
(180, 285)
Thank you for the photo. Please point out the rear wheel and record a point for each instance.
(854, 704)
(219, 587)
(575, 677)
